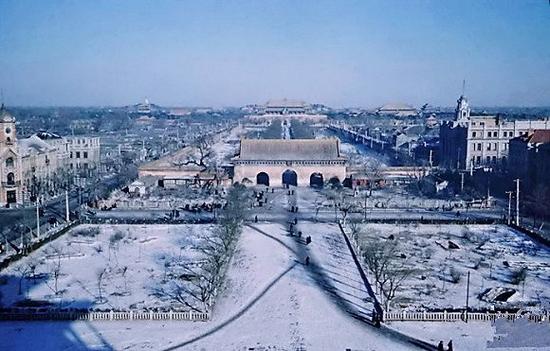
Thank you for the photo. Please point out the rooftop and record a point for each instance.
(285, 103)
(294, 149)
(539, 136)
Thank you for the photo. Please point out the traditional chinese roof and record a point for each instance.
(285, 103)
(294, 149)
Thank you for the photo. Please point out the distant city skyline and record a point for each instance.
(234, 53)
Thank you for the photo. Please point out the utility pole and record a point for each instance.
(509, 206)
(67, 205)
(517, 201)
(461, 182)
(37, 219)
(431, 159)
(467, 296)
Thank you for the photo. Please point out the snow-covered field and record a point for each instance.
(134, 261)
(495, 256)
(271, 301)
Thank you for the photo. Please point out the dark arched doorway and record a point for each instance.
(262, 179)
(334, 181)
(290, 177)
(316, 180)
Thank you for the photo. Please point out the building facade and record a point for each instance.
(298, 162)
(480, 141)
(286, 109)
(38, 166)
(530, 157)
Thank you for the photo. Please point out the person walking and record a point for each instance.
(307, 260)
(450, 345)
(440, 346)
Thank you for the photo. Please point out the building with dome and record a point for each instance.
(40, 164)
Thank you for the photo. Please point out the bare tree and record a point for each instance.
(202, 154)
(204, 278)
(372, 169)
(389, 270)
(56, 253)
(100, 275)
(22, 271)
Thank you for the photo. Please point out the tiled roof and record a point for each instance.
(294, 149)
(539, 136)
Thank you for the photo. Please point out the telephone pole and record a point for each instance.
(509, 219)
(517, 201)
(67, 205)
(467, 296)
(37, 219)
(462, 182)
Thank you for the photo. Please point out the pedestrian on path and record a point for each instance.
(255, 219)
(450, 345)
(307, 261)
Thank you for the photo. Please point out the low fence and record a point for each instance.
(103, 315)
(425, 316)
(533, 234)
(11, 255)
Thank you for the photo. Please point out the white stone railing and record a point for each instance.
(424, 316)
(105, 315)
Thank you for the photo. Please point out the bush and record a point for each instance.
(455, 275)
(519, 275)
(90, 232)
(116, 237)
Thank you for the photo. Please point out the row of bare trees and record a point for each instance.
(195, 284)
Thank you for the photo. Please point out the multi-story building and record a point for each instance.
(41, 164)
(530, 157)
(480, 141)
(84, 153)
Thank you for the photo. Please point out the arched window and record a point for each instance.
(9, 162)
(11, 179)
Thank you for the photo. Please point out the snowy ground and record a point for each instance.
(492, 254)
(271, 301)
(134, 267)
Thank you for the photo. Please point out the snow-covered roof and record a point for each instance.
(34, 143)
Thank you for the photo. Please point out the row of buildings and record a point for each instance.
(519, 148)
(43, 164)
(476, 141)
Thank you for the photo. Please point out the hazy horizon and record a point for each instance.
(215, 54)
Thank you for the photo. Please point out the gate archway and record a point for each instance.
(290, 177)
(262, 178)
(316, 180)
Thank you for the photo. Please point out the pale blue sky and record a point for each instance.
(230, 53)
